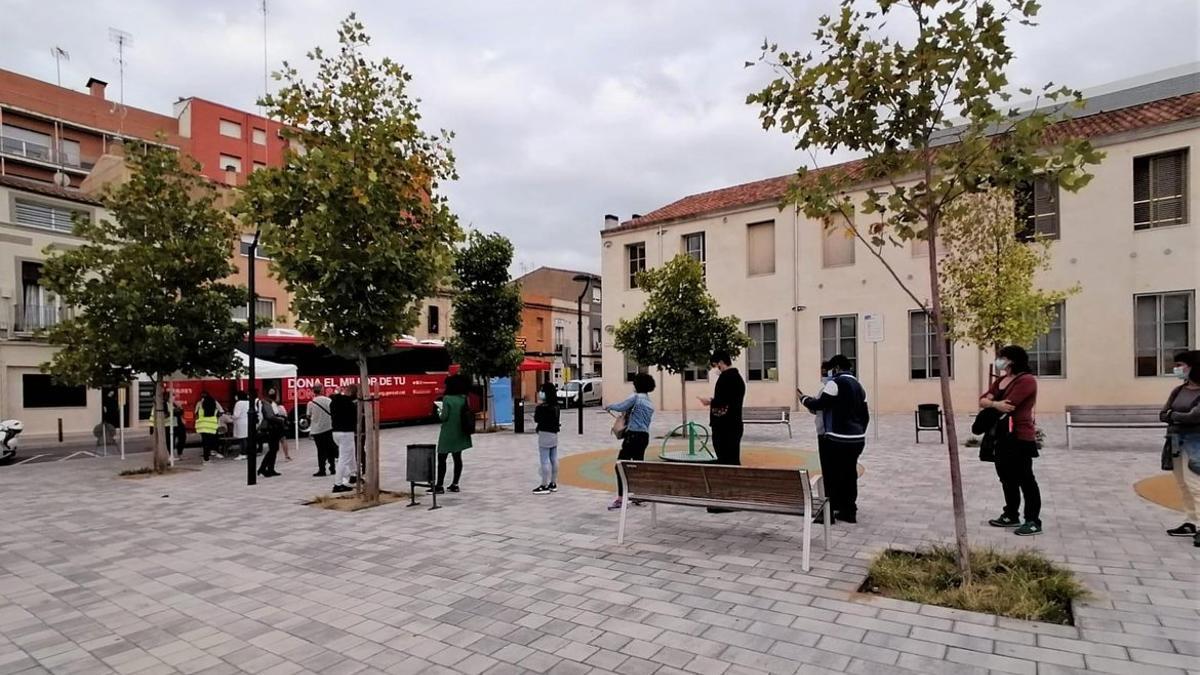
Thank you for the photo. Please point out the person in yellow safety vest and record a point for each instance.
(208, 423)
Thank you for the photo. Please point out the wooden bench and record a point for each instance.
(740, 488)
(1112, 417)
(779, 415)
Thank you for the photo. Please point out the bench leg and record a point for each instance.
(621, 526)
(807, 536)
(828, 523)
(653, 514)
(789, 426)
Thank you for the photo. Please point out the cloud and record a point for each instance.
(563, 111)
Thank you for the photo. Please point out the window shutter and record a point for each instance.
(760, 246)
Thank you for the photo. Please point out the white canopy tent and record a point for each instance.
(263, 370)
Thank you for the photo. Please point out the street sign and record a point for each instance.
(873, 327)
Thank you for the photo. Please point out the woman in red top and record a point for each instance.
(1014, 394)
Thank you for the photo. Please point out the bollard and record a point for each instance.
(60, 436)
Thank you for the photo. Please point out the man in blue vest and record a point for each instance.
(842, 405)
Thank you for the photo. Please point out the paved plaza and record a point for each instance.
(198, 573)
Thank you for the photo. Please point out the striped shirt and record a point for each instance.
(640, 409)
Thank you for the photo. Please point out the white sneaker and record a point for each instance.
(241, 458)
(219, 455)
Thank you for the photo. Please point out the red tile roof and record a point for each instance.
(1104, 123)
(47, 189)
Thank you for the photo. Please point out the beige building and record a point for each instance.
(36, 217)
(1128, 239)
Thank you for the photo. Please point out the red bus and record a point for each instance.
(410, 377)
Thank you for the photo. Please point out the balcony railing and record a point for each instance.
(35, 318)
(44, 153)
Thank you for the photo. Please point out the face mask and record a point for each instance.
(1180, 371)
(1001, 364)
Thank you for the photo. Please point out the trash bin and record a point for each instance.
(421, 469)
(519, 416)
(928, 416)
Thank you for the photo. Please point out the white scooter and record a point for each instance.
(9, 430)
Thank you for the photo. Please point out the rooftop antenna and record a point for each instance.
(60, 55)
(122, 39)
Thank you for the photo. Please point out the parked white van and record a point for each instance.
(592, 392)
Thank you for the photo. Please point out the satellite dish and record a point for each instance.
(61, 179)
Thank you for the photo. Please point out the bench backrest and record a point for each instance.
(765, 413)
(1113, 414)
(786, 489)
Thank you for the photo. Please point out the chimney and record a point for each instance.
(610, 221)
(96, 87)
(635, 216)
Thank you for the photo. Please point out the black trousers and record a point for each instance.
(1014, 467)
(727, 442)
(633, 448)
(210, 443)
(839, 468)
(268, 461)
(327, 452)
(457, 456)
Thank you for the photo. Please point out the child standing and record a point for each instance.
(545, 416)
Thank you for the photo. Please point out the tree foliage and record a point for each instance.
(928, 113)
(148, 283)
(487, 308)
(353, 221)
(989, 296)
(681, 324)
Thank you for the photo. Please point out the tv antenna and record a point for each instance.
(60, 55)
(123, 40)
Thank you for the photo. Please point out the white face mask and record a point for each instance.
(1180, 371)
(1001, 364)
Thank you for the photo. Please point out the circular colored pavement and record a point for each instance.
(596, 470)
(1161, 489)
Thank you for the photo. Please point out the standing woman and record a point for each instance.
(639, 411)
(208, 421)
(545, 416)
(241, 422)
(1014, 394)
(1182, 415)
(454, 436)
(271, 426)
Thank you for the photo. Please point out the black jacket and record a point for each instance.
(343, 412)
(545, 416)
(725, 411)
(842, 405)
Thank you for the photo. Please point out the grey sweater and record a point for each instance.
(1182, 411)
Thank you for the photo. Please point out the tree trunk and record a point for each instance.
(939, 328)
(370, 446)
(683, 395)
(159, 456)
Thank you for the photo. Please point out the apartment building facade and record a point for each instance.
(803, 293)
(551, 297)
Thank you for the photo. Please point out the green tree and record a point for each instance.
(487, 310)
(989, 298)
(148, 284)
(929, 115)
(681, 325)
(352, 221)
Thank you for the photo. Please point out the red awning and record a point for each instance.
(533, 364)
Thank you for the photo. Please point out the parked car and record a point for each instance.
(591, 388)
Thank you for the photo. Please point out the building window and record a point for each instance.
(244, 247)
(259, 136)
(264, 308)
(230, 163)
(41, 391)
(560, 341)
(839, 335)
(25, 143)
(693, 247)
(39, 309)
(635, 258)
(1036, 206)
(68, 153)
(922, 348)
(762, 358)
(633, 368)
(760, 248)
(696, 374)
(595, 294)
(258, 166)
(1160, 190)
(1163, 327)
(46, 216)
(1046, 354)
(433, 321)
(230, 129)
(596, 344)
(837, 246)
(541, 330)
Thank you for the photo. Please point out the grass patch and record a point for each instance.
(148, 472)
(352, 501)
(1022, 585)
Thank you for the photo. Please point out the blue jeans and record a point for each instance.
(549, 458)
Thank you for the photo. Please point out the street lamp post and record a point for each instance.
(252, 413)
(587, 279)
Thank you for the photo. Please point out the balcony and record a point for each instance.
(41, 153)
(31, 319)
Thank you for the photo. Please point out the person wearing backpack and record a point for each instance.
(842, 407)
(271, 427)
(458, 423)
(545, 416)
(1013, 395)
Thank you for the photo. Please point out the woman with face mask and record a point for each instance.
(1014, 394)
(1182, 416)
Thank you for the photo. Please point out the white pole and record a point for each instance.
(875, 386)
(170, 427)
(121, 421)
(296, 411)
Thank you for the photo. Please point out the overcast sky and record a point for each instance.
(564, 110)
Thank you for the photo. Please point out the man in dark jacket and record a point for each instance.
(725, 409)
(842, 405)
